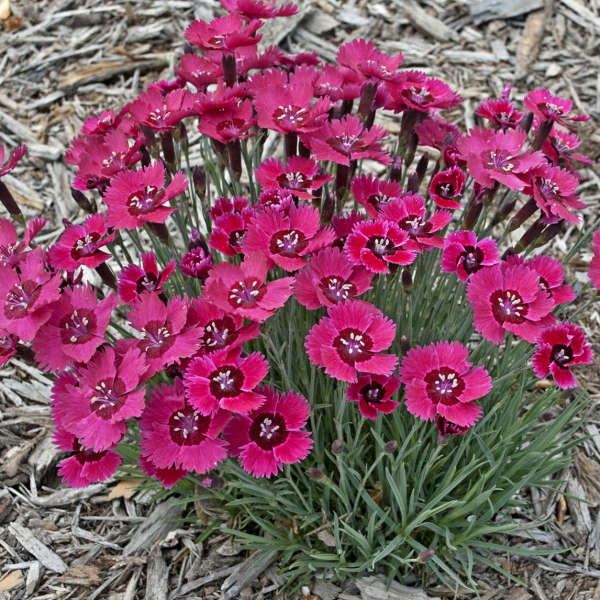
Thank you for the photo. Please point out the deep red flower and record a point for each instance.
(200, 71)
(547, 107)
(225, 206)
(272, 435)
(135, 281)
(330, 278)
(464, 254)
(437, 133)
(508, 297)
(373, 193)
(300, 176)
(337, 83)
(501, 112)
(370, 64)
(373, 394)
(558, 349)
(11, 250)
(448, 429)
(168, 476)
(229, 231)
(159, 112)
(413, 90)
(594, 270)
(446, 187)
(441, 381)
(229, 125)
(15, 156)
(196, 263)
(257, 9)
(351, 339)
(343, 226)
(80, 245)
(224, 33)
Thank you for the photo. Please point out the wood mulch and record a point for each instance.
(61, 60)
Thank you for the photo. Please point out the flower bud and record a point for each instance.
(396, 171)
(337, 447)
(316, 473)
(426, 555)
(327, 209)
(407, 280)
(82, 201)
(404, 344)
(196, 263)
(199, 179)
(390, 447)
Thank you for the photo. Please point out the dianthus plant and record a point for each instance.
(268, 297)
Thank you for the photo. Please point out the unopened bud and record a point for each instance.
(199, 179)
(229, 69)
(166, 140)
(315, 473)
(526, 122)
(541, 134)
(390, 447)
(327, 209)
(426, 555)
(412, 185)
(422, 166)
(82, 201)
(407, 280)
(404, 344)
(337, 447)
(411, 148)
(396, 171)
(524, 213)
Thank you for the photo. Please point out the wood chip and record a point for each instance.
(47, 557)
(246, 572)
(34, 574)
(4, 9)
(155, 527)
(157, 576)
(486, 10)
(11, 580)
(375, 588)
(126, 488)
(529, 44)
(427, 24)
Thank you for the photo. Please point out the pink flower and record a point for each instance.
(135, 281)
(343, 226)
(501, 113)
(362, 57)
(224, 380)
(85, 466)
(373, 394)
(553, 189)
(594, 270)
(8, 346)
(330, 278)
(337, 83)
(272, 435)
(286, 106)
(300, 176)
(196, 263)
(547, 107)
(138, 197)
(373, 193)
(12, 251)
(229, 231)
(376, 245)
(15, 156)
(168, 476)
(242, 290)
(224, 33)
(161, 113)
(80, 245)
(351, 339)
(287, 239)
(175, 435)
(413, 90)
(27, 296)
(257, 9)
(230, 124)
(344, 140)
(508, 297)
(440, 381)
(497, 156)
(448, 429)
(75, 330)
(200, 71)
(558, 349)
(225, 206)
(166, 336)
(464, 254)
(560, 145)
(437, 133)
(446, 188)
(96, 410)
(409, 213)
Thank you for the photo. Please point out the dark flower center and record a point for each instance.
(353, 345)
(146, 283)
(373, 393)
(109, 397)
(158, 339)
(290, 116)
(219, 333)
(19, 299)
(414, 225)
(500, 160)
(380, 245)
(288, 243)
(336, 289)
(507, 305)
(232, 128)
(293, 181)
(246, 293)
(143, 201)
(444, 385)
(445, 190)
(84, 455)
(562, 355)
(346, 144)
(268, 430)
(85, 246)
(78, 327)
(418, 95)
(548, 189)
(472, 258)
(236, 238)
(226, 382)
(187, 426)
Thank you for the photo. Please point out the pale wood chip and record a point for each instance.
(47, 557)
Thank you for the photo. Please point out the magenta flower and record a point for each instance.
(501, 112)
(161, 112)
(508, 297)
(75, 330)
(337, 83)
(558, 349)
(138, 197)
(560, 145)
(547, 107)
(80, 245)
(437, 133)
(176, 435)
(8, 346)
(11, 250)
(347, 139)
(257, 9)
(242, 290)
(224, 33)
(409, 213)
(15, 156)
(446, 188)
(373, 193)
(553, 189)
(225, 381)
(230, 124)
(594, 270)
(330, 278)
(285, 106)
(225, 206)
(363, 58)
(377, 245)
(166, 336)
(135, 281)
(351, 339)
(229, 231)
(168, 476)
(440, 381)
(200, 71)
(373, 394)
(498, 156)
(413, 90)
(287, 238)
(196, 263)
(85, 466)
(96, 410)
(464, 255)
(344, 225)
(27, 296)
(448, 429)
(300, 176)
(272, 435)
